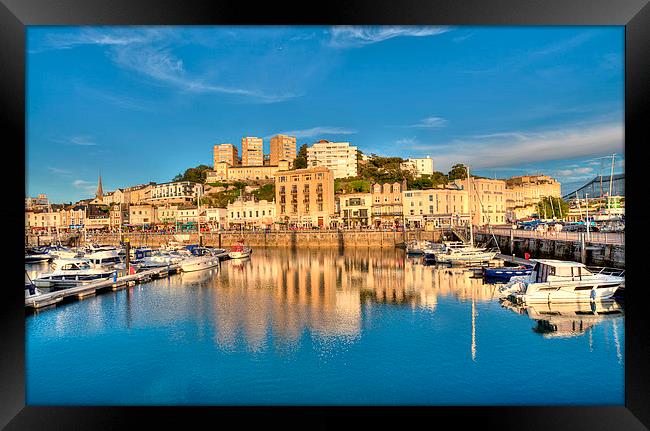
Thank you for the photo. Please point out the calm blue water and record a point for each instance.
(317, 327)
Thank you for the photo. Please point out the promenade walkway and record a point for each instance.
(616, 238)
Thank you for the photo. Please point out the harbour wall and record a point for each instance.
(612, 255)
(284, 239)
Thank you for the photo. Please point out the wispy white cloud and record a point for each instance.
(85, 141)
(356, 36)
(406, 141)
(430, 123)
(162, 65)
(86, 186)
(575, 171)
(318, 131)
(525, 147)
(59, 171)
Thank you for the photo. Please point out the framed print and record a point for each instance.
(377, 213)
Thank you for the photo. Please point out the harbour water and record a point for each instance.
(322, 327)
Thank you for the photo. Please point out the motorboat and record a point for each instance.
(221, 253)
(417, 247)
(457, 252)
(564, 281)
(504, 273)
(109, 259)
(431, 249)
(35, 256)
(202, 258)
(60, 252)
(160, 259)
(240, 251)
(71, 273)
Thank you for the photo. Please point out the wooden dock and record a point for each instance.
(517, 260)
(89, 289)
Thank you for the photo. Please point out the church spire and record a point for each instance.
(100, 192)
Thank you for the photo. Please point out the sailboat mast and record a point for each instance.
(471, 222)
(611, 178)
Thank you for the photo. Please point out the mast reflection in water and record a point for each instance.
(322, 327)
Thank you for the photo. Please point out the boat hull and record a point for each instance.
(567, 293)
(238, 254)
(200, 264)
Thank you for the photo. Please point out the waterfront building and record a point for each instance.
(72, 217)
(175, 192)
(252, 151)
(418, 166)
(167, 214)
(247, 212)
(142, 215)
(135, 195)
(39, 202)
(187, 215)
(119, 215)
(436, 207)
(305, 197)
(42, 219)
(524, 192)
(224, 172)
(338, 157)
(225, 153)
(387, 210)
(283, 147)
(488, 200)
(215, 218)
(355, 209)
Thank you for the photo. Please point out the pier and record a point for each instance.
(80, 292)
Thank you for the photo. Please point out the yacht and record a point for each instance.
(71, 273)
(417, 247)
(240, 251)
(202, 258)
(58, 251)
(35, 256)
(456, 252)
(564, 281)
(505, 273)
(109, 259)
(159, 259)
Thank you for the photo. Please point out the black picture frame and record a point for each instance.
(15, 15)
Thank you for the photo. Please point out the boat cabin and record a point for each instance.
(553, 270)
(74, 265)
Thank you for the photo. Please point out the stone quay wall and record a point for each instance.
(612, 255)
(285, 239)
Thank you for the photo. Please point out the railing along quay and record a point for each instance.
(80, 292)
(615, 238)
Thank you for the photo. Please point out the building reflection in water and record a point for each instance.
(324, 291)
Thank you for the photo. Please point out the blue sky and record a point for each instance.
(142, 104)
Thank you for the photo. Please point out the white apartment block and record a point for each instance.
(338, 157)
(177, 192)
(421, 166)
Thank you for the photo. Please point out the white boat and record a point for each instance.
(160, 258)
(460, 253)
(61, 252)
(417, 246)
(109, 259)
(202, 258)
(71, 273)
(35, 256)
(240, 251)
(564, 281)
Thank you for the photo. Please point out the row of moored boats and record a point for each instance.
(537, 281)
(73, 267)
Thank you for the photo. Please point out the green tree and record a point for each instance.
(552, 207)
(457, 172)
(300, 162)
(196, 175)
(265, 192)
